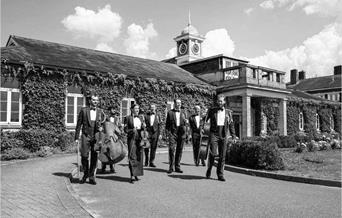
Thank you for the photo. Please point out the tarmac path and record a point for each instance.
(40, 188)
(190, 194)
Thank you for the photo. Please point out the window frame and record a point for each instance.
(301, 121)
(331, 123)
(318, 124)
(75, 96)
(9, 106)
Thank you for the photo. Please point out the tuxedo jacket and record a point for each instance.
(171, 122)
(129, 125)
(228, 122)
(153, 128)
(193, 124)
(84, 122)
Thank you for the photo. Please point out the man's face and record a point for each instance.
(178, 104)
(94, 101)
(153, 108)
(197, 110)
(220, 102)
(136, 110)
(112, 111)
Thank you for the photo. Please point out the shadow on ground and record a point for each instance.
(156, 170)
(114, 178)
(187, 177)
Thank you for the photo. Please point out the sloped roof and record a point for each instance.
(70, 57)
(318, 83)
(301, 94)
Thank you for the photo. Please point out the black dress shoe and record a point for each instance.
(131, 180)
(83, 180)
(203, 163)
(207, 175)
(112, 171)
(170, 171)
(179, 171)
(92, 181)
(146, 164)
(136, 178)
(152, 165)
(221, 178)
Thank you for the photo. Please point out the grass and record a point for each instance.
(320, 164)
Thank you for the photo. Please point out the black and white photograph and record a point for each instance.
(165, 109)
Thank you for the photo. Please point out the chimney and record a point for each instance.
(338, 70)
(294, 76)
(301, 75)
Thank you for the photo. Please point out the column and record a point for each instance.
(246, 116)
(283, 117)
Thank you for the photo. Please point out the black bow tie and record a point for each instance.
(93, 108)
(177, 110)
(221, 109)
(136, 116)
(153, 113)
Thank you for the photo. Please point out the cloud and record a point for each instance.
(172, 53)
(267, 4)
(248, 11)
(322, 7)
(104, 24)
(217, 42)
(138, 41)
(104, 47)
(317, 55)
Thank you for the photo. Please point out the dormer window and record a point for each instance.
(301, 121)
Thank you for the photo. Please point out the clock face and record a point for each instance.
(182, 48)
(195, 48)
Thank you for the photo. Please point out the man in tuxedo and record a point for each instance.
(196, 124)
(221, 129)
(89, 120)
(153, 121)
(176, 122)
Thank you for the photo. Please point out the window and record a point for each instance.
(126, 105)
(301, 121)
(73, 104)
(229, 64)
(263, 123)
(10, 106)
(318, 127)
(326, 96)
(254, 73)
(278, 77)
(331, 121)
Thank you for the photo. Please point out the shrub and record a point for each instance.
(15, 153)
(301, 147)
(65, 140)
(256, 155)
(313, 146)
(34, 139)
(8, 141)
(335, 144)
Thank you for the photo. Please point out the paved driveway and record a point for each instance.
(191, 195)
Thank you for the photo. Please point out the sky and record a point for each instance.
(280, 34)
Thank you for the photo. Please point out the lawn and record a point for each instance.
(320, 164)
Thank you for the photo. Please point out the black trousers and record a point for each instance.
(89, 172)
(176, 143)
(152, 150)
(196, 137)
(217, 142)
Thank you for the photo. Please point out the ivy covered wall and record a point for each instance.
(44, 92)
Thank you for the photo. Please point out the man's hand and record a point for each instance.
(77, 141)
(100, 129)
(160, 137)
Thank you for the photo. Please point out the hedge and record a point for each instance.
(255, 155)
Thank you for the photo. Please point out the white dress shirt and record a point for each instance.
(177, 118)
(92, 115)
(220, 117)
(137, 123)
(197, 118)
(152, 119)
(111, 119)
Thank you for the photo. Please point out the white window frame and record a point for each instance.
(264, 123)
(75, 96)
(129, 105)
(318, 125)
(301, 121)
(9, 104)
(331, 123)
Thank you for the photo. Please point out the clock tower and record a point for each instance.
(189, 45)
